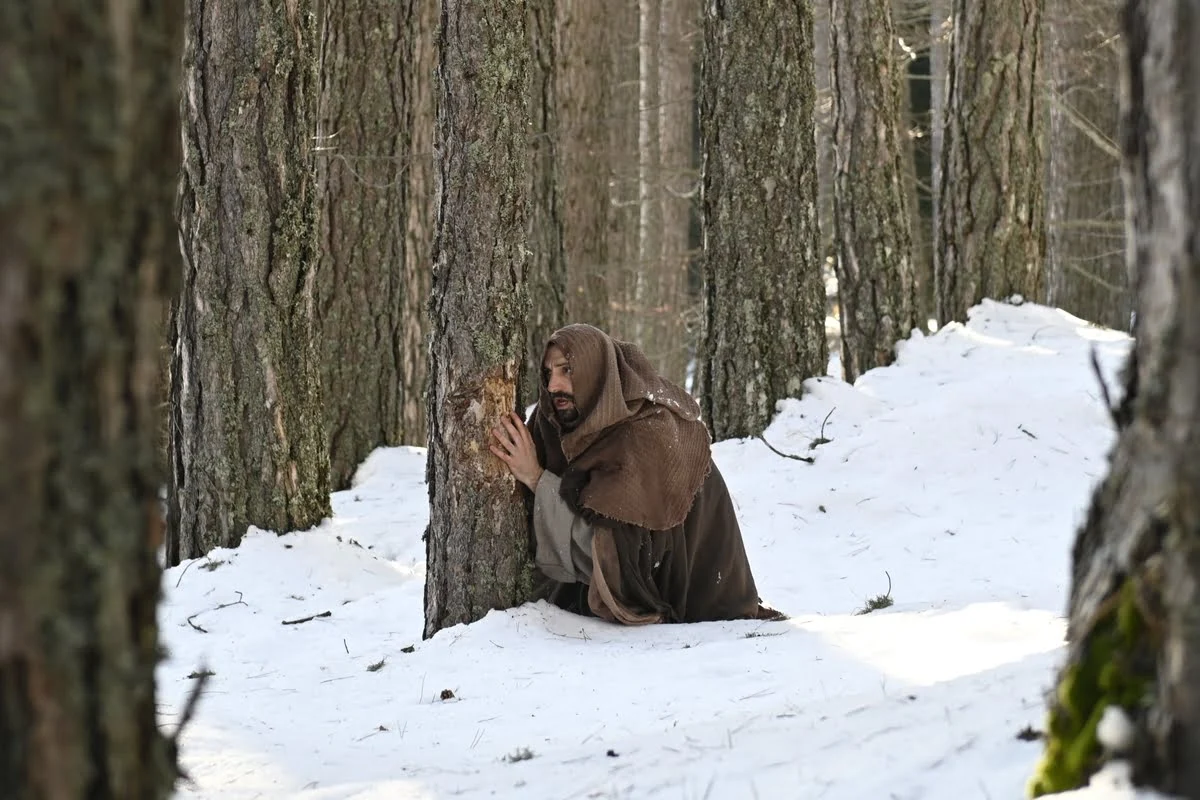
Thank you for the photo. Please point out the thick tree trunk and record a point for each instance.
(247, 430)
(478, 548)
(940, 31)
(1085, 216)
(872, 210)
(546, 275)
(1133, 632)
(765, 301)
(89, 151)
(586, 53)
(364, 141)
(990, 238)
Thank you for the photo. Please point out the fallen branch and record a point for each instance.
(189, 709)
(307, 619)
(238, 602)
(805, 459)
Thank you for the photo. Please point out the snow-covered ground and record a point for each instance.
(956, 476)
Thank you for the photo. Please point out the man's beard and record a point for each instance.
(567, 417)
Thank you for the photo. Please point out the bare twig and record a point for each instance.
(307, 619)
(185, 569)
(238, 602)
(827, 416)
(805, 459)
(1112, 412)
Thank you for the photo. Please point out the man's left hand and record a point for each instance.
(516, 450)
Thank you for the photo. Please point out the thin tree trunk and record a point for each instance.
(89, 151)
(765, 300)
(586, 52)
(872, 209)
(547, 269)
(679, 26)
(990, 239)
(364, 149)
(419, 226)
(940, 31)
(1133, 631)
(247, 430)
(649, 231)
(478, 549)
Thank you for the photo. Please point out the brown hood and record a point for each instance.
(640, 451)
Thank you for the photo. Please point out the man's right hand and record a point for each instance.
(516, 450)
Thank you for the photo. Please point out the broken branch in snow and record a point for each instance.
(805, 459)
(238, 602)
(189, 709)
(307, 619)
(821, 436)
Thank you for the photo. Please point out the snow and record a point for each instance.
(1115, 730)
(956, 476)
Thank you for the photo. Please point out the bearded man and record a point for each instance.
(632, 520)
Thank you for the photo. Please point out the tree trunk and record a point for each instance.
(940, 31)
(418, 248)
(765, 301)
(247, 431)
(1085, 216)
(677, 185)
(1133, 631)
(478, 548)
(546, 275)
(990, 240)
(872, 210)
(586, 52)
(364, 141)
(89, 151)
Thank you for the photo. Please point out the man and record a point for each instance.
(632, 520)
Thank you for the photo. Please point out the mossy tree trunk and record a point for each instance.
(248, 443)
(369, 73)
(872, 213)
(764, 314)
(1133, 631)
(990, 234)
(489, 174)
(89, 153)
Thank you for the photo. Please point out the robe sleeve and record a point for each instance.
(564, 539)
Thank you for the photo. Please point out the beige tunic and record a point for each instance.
(564, 539)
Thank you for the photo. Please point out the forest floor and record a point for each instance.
(952, 482)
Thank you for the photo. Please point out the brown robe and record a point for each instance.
(638, 467)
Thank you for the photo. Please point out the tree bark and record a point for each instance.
(1133, 631)
(478, 548)
(247, 430)
(1085, 215)
(872, 210)
(89, 151)
(765, 301)
(990, 238)
(365, 152)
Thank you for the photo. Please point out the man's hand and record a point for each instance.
(516, 450)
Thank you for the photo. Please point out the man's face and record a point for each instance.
(556, 373)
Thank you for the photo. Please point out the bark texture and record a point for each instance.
(478, 548)
(248, 443)
(1134, 630)
(764, 311)
(1085, 213)
(364, 154)
(872, 210)
(990, 238)
(89, 151)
